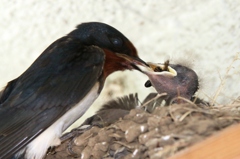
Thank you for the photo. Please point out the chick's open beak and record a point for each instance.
(154, 69)
(159, 75)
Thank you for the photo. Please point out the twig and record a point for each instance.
(157, 96)
(223, 80)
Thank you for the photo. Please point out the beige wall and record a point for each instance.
(203, 34)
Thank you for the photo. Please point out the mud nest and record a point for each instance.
(140, 134)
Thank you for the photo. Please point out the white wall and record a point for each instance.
(205, 33)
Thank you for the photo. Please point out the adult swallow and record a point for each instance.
(59, 87)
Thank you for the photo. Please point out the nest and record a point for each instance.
(143, 135)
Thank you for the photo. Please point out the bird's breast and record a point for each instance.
(50, 137)
(80, 108)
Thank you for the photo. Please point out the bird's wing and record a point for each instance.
(61, 76)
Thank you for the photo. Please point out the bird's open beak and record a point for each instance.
(157, 70)
(160, 76)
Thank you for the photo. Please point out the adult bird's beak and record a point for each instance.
(133, 60)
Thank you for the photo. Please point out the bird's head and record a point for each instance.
(173, 79)
(113, 42)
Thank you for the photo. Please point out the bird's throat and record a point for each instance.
(114, 63)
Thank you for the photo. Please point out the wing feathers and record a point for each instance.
(60, 77)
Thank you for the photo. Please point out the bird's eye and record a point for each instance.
(117, 42)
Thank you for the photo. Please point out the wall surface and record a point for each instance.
(204, 34)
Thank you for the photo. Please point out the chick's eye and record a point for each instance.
(117, 42)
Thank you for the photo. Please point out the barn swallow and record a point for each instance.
(58, 88)
(174, 79)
